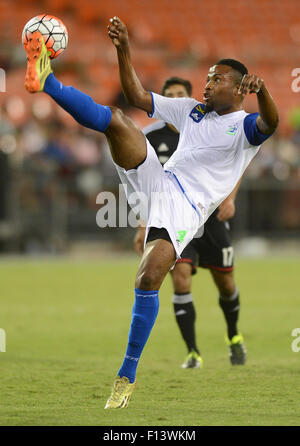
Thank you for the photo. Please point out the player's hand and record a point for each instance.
(118, 33)
(250, 84)
(138, 240)
(226, 210)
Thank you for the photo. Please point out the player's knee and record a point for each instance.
(227, 286)
(116, 115)
(117, 118)
(181, 279)
(148, 280)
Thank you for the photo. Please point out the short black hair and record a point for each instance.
(174, 81)
(235, 64)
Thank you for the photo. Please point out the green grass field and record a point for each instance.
(66, 324)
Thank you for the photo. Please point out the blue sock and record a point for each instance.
(144, 313)
(81, 106)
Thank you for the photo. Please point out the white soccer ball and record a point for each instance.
(53, 30)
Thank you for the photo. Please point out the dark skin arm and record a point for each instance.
(133, 90)
(137, 96)
(227, 207)
(268, 119)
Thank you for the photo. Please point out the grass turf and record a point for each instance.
(67, 323)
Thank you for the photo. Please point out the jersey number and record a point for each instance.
(227, 256)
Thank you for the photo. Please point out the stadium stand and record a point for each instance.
(182, 38)
(185, 37)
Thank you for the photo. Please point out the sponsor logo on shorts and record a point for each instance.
(181, 235)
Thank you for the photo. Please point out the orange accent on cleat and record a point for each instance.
(33, 51)
(38, 63)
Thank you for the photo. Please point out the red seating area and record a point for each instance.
(168, 38)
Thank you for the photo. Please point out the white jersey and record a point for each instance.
(213, 150)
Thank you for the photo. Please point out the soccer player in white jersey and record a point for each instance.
(213, 250)
(218, 139)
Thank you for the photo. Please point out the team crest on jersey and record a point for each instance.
(197, 113)
(232, 129)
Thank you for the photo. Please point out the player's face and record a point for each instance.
(176, 91)
(220, 89)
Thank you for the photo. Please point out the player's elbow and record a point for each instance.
(268, 126)
(140, 99)
(131, 98)
(274, 123)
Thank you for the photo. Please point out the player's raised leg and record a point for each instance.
(230, 305)
(127, 142)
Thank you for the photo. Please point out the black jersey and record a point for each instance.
(213, 249)
(163, 139)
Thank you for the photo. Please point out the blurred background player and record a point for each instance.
(213, 250)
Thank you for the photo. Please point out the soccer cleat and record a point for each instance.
(38, 63)
(237, 350)
(193, 361)
(121, 393)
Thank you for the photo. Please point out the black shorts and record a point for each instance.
(213, 250)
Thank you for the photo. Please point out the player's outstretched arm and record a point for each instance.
(268, 119)
(133, 90)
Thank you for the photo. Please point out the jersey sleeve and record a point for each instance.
(171, 110)
(254, 136)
